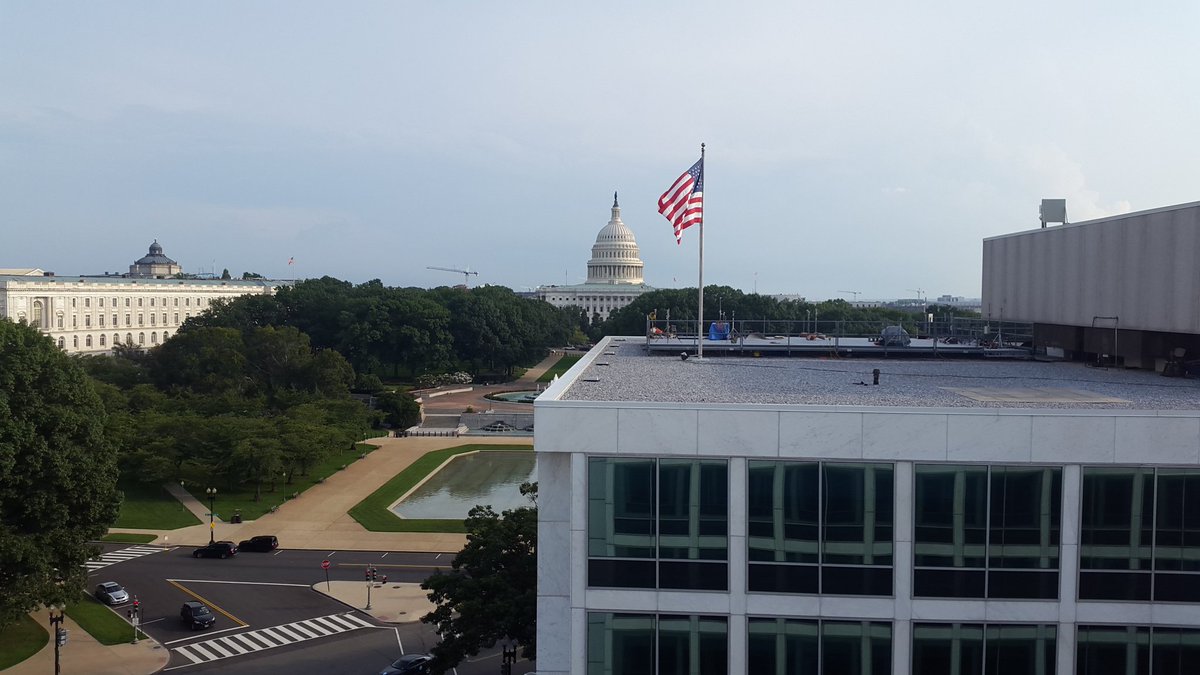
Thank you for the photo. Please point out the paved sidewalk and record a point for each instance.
(390, 603)
(83, 654)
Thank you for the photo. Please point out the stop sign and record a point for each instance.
(324, 564)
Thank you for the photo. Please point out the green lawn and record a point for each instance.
(561, 366)
(21, 640)
(100, 622)
(129, 538)
(242, 497)
(373, 514)
(150, 507)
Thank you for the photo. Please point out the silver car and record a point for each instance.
(111, 593)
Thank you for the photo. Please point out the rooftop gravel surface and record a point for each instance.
(623, 371)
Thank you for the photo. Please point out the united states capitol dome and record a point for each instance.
(615, 256)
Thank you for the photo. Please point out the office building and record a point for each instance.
(790, 515)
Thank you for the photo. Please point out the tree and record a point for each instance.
(225, 274)
(400, 409)
(490, 592)
(58, 472)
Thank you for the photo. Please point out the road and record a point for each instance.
(269, 619)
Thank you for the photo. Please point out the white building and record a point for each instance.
(93, 314)
(739, 515)
(614, 273)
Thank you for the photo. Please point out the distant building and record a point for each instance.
(614, 273)
(154, 264)
(1121, 289)
(93, 314)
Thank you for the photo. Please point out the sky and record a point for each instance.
(864, 147)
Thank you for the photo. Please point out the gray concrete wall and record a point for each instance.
(1141, 267)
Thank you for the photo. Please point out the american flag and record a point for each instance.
(292, 260)
(683, 202)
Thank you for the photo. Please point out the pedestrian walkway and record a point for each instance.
(114, 557)
(268, 638)
(84, 654)
(319, 518)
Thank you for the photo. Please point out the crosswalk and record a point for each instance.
(113, 557)
(268, 638)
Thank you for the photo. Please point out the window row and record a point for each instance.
(658, 523)
(825, 527)
(102, 340)
(648, 644)
(1140, 534)
(141, 302)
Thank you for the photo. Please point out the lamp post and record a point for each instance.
(508, 655)
(212, 497)
(60, 634)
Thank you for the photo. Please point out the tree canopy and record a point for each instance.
(411, 331)
(228, 406)
(490, 592)
(58, 473)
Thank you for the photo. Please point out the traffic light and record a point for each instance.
(368, 572)
(374, 574)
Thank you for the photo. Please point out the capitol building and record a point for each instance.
(93, 314)
(614, 273)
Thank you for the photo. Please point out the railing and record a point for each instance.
(961, 330)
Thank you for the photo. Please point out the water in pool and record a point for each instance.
(490, 477)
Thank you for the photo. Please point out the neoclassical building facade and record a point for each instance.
(614, 273)
(93, 314)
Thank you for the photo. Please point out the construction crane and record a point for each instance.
(466, 273)
(854, 293)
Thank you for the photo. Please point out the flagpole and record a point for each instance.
(700, 312)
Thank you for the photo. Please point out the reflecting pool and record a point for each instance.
(517, 396)
(489, 477)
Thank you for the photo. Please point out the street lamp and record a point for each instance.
(508, 655)
(212, 497)
(60, 634)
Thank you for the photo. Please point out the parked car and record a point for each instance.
(111, 593)
(221, 549)
(197, 615)
(409, 664)
(264, 543)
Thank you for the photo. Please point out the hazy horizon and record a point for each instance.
(867, 147)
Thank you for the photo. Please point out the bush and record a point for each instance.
(430, 380)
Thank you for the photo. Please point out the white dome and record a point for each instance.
(615, 255)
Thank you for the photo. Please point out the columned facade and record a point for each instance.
(614, 273)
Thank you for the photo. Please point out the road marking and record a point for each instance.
(206, 601)
(398, 641)
(247, 583)
(331, 553)
(114, 557)
(437, 556)
(419, 567)
(204, 635)
(383, 556)
(238, 644)
(278, 551)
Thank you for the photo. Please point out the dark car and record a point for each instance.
(409, 664)
(221, 549)
(197, 615)
(263, 543)
(111, 593)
